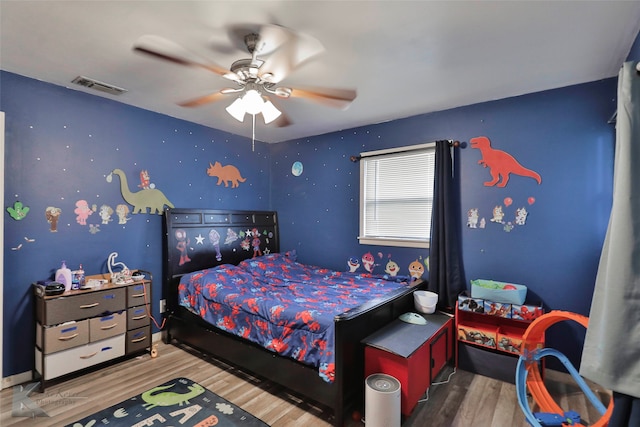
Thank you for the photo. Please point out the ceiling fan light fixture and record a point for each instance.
(270, 112)
(237, 110)
(256, 79)
(252, 102)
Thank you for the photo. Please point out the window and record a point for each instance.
(396, 196)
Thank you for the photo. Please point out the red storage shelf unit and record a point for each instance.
(413, 354)
(489, 338)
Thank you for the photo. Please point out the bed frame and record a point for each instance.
(202, 228)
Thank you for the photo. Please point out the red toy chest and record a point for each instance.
(413, 354)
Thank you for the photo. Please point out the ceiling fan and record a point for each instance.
(275, 52)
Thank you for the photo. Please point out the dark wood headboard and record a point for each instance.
(195, 239)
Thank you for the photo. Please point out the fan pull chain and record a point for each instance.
(253, 133)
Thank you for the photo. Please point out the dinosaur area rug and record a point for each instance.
(179, 402)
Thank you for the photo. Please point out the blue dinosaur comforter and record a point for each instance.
(284, 306)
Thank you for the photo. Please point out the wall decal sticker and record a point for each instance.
(392, 268)
(498, 215)
(368, 261)
(105, 213)
(181, 246)
(297, 168)
(82, 212)
(507, 201)
(18, 211)
(255, 242)
(232, 236)
(26, 239)
(53, 215)
(122, 211)
(531, 200)
(227, 174)
(145, 180)
(500, 163)
(353, 263)
(521, 216)
(416, 269)
(245, 244)
(94, 228)
(472, 218)
(214, 238)
(150, 198)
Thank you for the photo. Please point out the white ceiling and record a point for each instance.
(403, 57)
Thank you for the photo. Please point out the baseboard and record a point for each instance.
(28, 376)
(16, 379)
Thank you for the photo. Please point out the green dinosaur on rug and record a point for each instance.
(180, 401)
(157, 397)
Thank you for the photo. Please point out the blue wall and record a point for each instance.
(61, 145)
(561, 134)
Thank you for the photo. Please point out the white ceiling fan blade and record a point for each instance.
(282, 121)
(299, 49)
(271, 36)
(307, 48)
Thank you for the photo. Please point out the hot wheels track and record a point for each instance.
(528, 376)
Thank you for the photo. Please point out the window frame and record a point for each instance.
(386, 241)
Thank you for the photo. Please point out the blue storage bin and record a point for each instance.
(494, 291)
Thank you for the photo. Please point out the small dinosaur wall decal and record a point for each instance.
(228, 173)
(500, 163)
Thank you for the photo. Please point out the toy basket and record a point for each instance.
(492, 290)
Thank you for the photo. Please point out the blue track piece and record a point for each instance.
(521, 387)
(547, 419)
(572, 417)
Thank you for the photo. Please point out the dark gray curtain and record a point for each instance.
(446, 272)
(611, 353)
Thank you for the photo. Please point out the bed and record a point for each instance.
(232, 294)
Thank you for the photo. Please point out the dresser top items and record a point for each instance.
(97, 282)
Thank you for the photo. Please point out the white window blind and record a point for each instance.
(396, 196)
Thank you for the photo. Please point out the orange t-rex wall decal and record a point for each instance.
(500, 163)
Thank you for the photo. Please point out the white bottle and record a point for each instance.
(63, 275)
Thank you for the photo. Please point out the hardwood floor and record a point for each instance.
(465, 400)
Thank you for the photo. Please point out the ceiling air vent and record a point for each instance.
(96, 85)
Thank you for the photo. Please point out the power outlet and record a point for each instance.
(163, 305)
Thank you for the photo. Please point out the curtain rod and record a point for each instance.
(451, 142)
